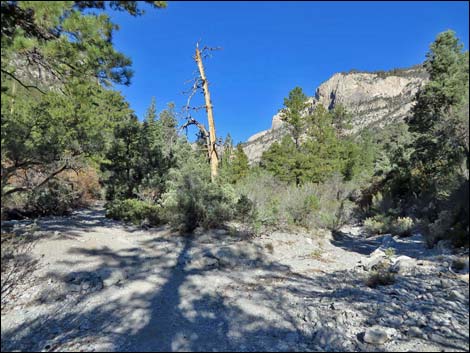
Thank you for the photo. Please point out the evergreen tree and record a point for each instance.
(438, 121)
(57, 60)
(239, 166)
(123, 164)
(283, 160)
(295, 105)
(151, 114)
(341, 119)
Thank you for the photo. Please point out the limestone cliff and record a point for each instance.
(373, 98)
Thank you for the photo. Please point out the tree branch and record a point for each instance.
(49, 177)
(21, 83)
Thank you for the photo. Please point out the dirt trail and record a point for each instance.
(97, 284)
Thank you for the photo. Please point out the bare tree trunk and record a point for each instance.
(210, 117)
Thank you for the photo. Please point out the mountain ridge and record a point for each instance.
(376, 98)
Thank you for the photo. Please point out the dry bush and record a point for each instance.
(85, 182)
(381, 276)
(17, 263)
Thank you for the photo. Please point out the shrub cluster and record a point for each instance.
(282, 206)
(381, 224)
(134, 211)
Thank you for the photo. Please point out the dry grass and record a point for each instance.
(270, 247)
(381, 276)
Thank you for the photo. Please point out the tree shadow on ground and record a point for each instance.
(167, 302)
(71, 226)
(414, 246)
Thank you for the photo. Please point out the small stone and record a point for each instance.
(414, 331)
(376, 335)
(456, 295)
(445, 283)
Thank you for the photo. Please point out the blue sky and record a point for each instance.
(271, 47)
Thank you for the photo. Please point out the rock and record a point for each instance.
(456, 295)
(312, 316)
(403, 264)
(220, 232)
(444, 283)
(328, 338)
(391, 321)
(376, 335)
(374, 259)
(75, 287)
(414, 331)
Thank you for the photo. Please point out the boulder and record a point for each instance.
(373, 260)
(403, 264)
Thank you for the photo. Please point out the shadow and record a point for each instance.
(184, 293)
(414, 246)
(72, 226)
(352, 243)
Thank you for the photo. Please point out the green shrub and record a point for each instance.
(403, 226)
(264, 191)
(309, 206)
(193, 201)
(134, 211)
(390, 252)
(379, 224)
(245, 210)
(438, 229)
(299, 204)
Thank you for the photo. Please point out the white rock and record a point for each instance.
(403, 264)
(377, 335)
(456, 295)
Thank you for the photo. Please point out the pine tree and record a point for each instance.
(283, 160)
(58, 62)
(239, 164)
(436, 123)
(295, 105)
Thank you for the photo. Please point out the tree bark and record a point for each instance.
(214, 160)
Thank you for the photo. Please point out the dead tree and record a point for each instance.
(201, 83)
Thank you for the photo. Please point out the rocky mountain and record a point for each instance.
(373, 98)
